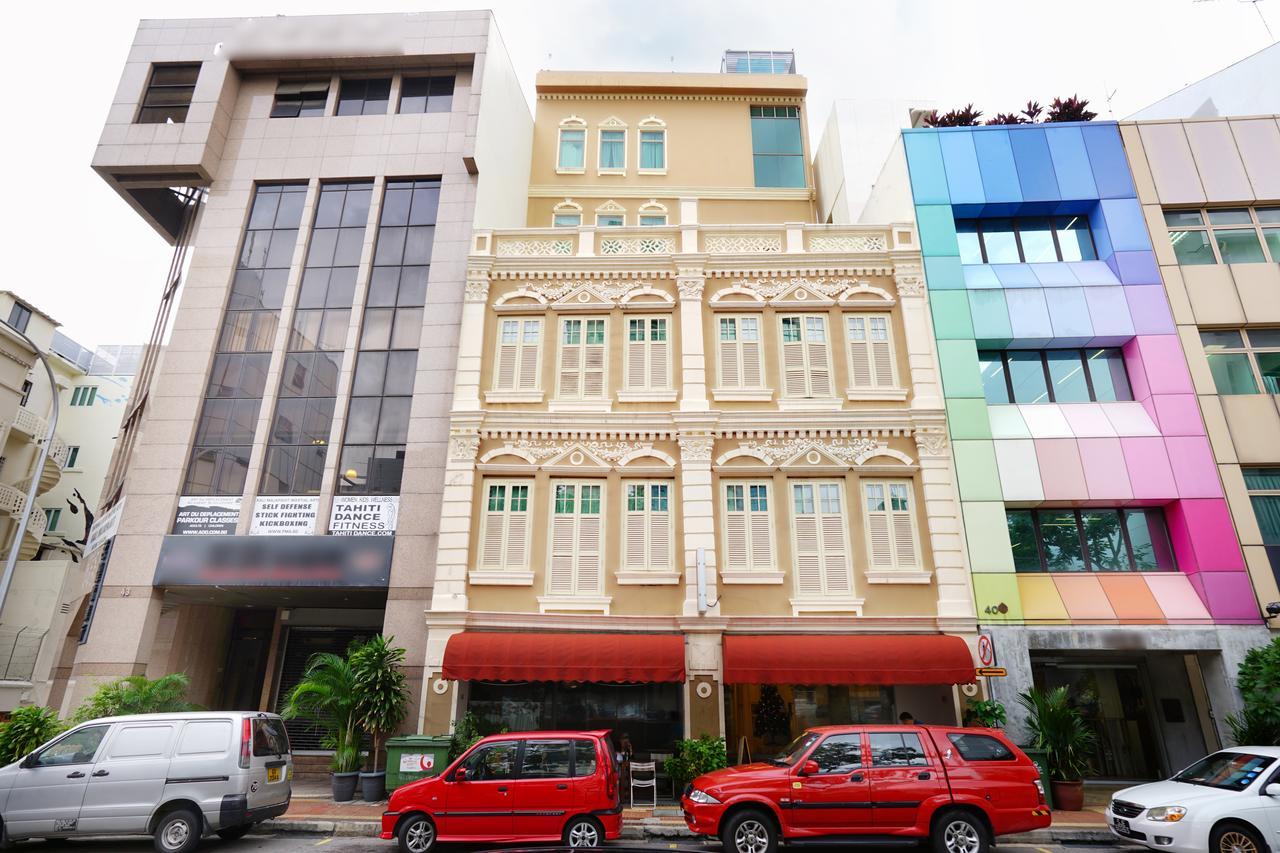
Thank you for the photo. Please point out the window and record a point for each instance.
(748, 527)
(270, 737)
(806, 365)
(611, 220)
(839, 754)
(648, 354)
(364, 97)
(168, 94)
(505, 528)
(652, 214)
(1028, 239)
(426, 94)
(78, 747)
(582, 359)
(299, 436)
(519, 349)
(567, 220)
(1264, 493)
(584, 758)
(19, 317)
(758, 62)
(613, 149)
(1243, 361)
(546, 759)
(776, 147)
(51, 519)
(572, 146)
(577, 532)
(295, 98)
(1090, 540)
(1054, 376)
(26, 392)
(820, 532)
(896, 749)
(73, 456)
(653, 146)
(494, 762)
(1240, 235)
(382, 388)
(974, 747)
(739, 362)
(84, 395)
(870, 351)
(891, 525)
(647, 526)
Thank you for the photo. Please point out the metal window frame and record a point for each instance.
(1017, 236)
(1123, 512)
(1248, 350)
(1048, 377)
(1209, 229)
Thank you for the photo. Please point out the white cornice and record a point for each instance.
(580, 190)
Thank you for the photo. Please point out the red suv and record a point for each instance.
(534, 786)
(959, 787)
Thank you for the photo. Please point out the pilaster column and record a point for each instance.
(942, 514)
(475, 301)
(922, 356)
(693, 359)
(449, 592)
(697, 501)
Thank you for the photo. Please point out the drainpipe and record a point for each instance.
(10, 564)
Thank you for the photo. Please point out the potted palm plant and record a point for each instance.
(328, 697)
(383, 703)
(1060, 731)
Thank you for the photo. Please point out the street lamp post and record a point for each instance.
(43, 454)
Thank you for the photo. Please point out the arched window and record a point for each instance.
(653, 213)
(566, 214)
(571, 149)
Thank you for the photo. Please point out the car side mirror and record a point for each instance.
(1272, 790)
(28, 762)
(460, 775)
(810, 768)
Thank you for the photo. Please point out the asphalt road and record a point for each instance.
(293, 842)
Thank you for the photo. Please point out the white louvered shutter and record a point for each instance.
(759, 527)
(637, 528)
(530, 347)
(736, 527)
(593, 359)
(835, 561)
(493, 534)
(590, 534)
(859, 351)
(808, 545)
(659, 353)
(508, 355)
(891, 525)
(647, 526)
(905, 550)
(517, 545)
(879, 537)
(795, 380)
(571, 359)
(636, 346)
(730, 365)
(660, 526)
(749, 354)
(564, 540)
(818, 357)
(881, 351)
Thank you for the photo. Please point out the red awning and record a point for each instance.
(847, 659)
(482, 656)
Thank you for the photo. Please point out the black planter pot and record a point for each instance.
(344, 786)
(373, 786)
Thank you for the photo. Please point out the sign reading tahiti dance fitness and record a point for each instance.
(364, 515)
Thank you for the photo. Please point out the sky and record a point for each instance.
(79, 253)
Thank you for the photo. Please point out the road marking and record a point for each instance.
(327, 840)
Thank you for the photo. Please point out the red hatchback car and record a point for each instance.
(531, 786)
(958, 787)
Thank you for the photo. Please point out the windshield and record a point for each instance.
(795, 749)
(1230, 771)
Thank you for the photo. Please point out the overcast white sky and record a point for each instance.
(80, 254)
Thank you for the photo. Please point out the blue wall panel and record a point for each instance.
(944, 273)
(1035, 166)
(937, 230)
(995, 159)
(1029, 316)
(1069, 314)
(1126, 225)
(1109, 312)
(961, 161)
(1070, 163)
(1106, 156)
(928, 178)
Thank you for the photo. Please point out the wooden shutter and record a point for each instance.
(508, 355)
(808, 544)
(903, 523)
(636, 556)
(637, 334)
(730, 366)
(736, 526)
(819, 359)
(659, 353)
(564, 539)
(749, 356)
(859, 351)
(660, 526)
(493, 533)
(891, 526)
(795, 380)
(517, 546)
(529, 350)
(590, 533)
(647, 527)
(593, 359)
(835, 562)
(881, 344)
(879, 539)
(571, 359)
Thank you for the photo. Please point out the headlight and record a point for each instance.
(1171, 814)
(703, 797)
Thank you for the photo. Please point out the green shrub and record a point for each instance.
(384, 695)
(987, 713)
(28, 727)
(328, 697)
(136, 694)
(466, 731)
(692, 758)
(1060, 731)
(1258, 677)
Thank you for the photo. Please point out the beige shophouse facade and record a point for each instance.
(683, 409)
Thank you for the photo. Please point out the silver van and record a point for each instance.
(175, 777)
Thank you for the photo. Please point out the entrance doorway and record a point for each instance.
(246, 666)
(300, 644)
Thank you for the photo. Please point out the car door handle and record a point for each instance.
(562, 787)
(75, 775)
(924, 775)
(101, 773)
(856, 777)
(502, 789)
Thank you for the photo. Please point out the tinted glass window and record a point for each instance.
(839, 754)
(492, 762)
(1232, 771)
(584, 757)
(545, 759)
(270, 737)
(426, 94)
(79, 747)
(896, 749)
(168, 94)
(974, 747)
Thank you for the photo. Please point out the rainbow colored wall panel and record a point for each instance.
(1148, 452)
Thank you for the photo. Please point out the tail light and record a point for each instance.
(246, 742)
(1040, 791)
(611, 777)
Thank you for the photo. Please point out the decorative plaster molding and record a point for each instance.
(612, 452)
(909, 285)
(696, 448)
(477, 290)
(462, 448)
(931, 442)
(743, 244)
(637, 245)
(777, 451)
(848, 243)
(832, 288)
(691, 288)
(534, 246)
(606, 290)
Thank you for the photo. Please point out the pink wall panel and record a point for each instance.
(1137, 371)
(1178, 414)
(1230, 597)
(1194, 469)
(1105, 473)
(1180, 536)
(1177, 598)
(1150, 475)
(1166, 368)
(1060, 469)
(1209, 531)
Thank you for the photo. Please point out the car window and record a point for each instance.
(897, 749)
(839, 754)
(140, 741)
(545, 759)
(584, 758)
(492, 761)
(79, 747)
(205, 737)
(1230, 771)
(795, 749)
(269, 737)
(981, 748)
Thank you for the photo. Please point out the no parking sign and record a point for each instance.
(986, 650)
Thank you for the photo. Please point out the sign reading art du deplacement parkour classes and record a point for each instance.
(207, 516)
(370, 515)
(286, 516)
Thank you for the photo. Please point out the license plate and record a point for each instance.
(1121, 825)
(273, 774)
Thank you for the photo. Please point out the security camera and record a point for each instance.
(1273, 610)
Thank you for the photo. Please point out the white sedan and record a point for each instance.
(1227, 802)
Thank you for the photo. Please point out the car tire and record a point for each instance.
(177, 832)
(749, 831)
(959, 832)
(1235, 838)
(583, 832)
(234, 833)
(416, 834)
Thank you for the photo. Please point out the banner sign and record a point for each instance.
(413, 762)
(365, 515)
(275, 561)
(287, 516)
(104, 527)
(207, 516)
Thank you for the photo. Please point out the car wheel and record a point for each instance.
(959, 832)
(749, 832)
(177, 832)
(234, 833)
(582, 832)
(1235, 838)
(417, 834)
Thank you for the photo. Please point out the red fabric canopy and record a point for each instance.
(481, 656)
(847, 659)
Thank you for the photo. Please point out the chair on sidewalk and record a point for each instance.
(660, 759)
(643, 768)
